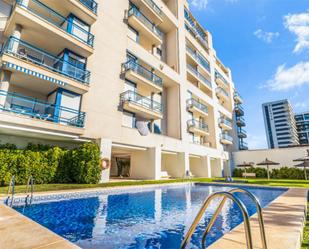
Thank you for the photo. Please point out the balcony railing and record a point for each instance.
(220, 90)
(243, 145)
(242, 132)
(227, 137)
(226, 122)
(240, 120)
(194, 103)
(237, 95)
(137, 99)
(219, 75)
(198, 75)
(133, 11)
(144, 72)
(90, 4)
(40, 110)
(198, 124)
(197, 56)
(48, 14)
(239, 108)
(154, 7)
(26, 51)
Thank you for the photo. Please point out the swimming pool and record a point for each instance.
(150, 218)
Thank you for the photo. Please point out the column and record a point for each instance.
(17, 35)
(207, 165)
(5, 78)
(184, 163)
(106, 152)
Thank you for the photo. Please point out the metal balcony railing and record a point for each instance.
(133, 11)
(40, 110)
(220, 90)
(198, 124)
(226, 122)
(226, 136)
(48, 14)
(195, 30)
(219, 75)
(154, 7)
(198, 75)
(90, 4)
(142, 71)
(194, 103)
(135, 98)
(197, 56)
(26, 51)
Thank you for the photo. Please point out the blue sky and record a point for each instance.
(266, 45)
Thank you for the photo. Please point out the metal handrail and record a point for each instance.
(30, 186)
(219, 209)
(11, 189)
(200, 214)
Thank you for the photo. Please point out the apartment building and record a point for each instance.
(302, 124)
(140, 77)
(280, 124)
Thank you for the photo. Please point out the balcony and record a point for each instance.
(195, 30)
(150, 8)
(144, 26)
(225, 124)
(91, 5)
(197, 107)
(237, 98)
(220, 80)
(226, 139)
(241, 133)
(239, 110)
(240, 121)
(243, 146)
(26, 52)
(198, 77)
(48, 14)
(198, 59)
(143, 76)
(143, 106)
(222, 94)
(198, 127)
(41, 111)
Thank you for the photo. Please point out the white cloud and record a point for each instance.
(301, 105)
(199, 4)
(299, 25)
(267, 37)
(289, 78)
(256, 142)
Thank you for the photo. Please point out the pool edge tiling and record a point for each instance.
(284, 221)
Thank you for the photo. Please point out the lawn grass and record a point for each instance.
(305, 244)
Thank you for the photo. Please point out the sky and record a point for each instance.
(266, 45)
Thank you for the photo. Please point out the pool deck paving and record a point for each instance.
(284, 221)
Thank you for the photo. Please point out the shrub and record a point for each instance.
(50, 164)
(260, 172)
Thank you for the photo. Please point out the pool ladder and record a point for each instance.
(11, 192)
(228, 195)
(29, 191)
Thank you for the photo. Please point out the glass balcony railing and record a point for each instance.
(90, 4)
(242, 132)
(226, 122)
(48, 14)
(237, 96)
(220, 90)
(198, 124)
(219, 75)
(239, 109)
(133, 11)
(155, 7)
(198, 105)
(137, 99)
(197, 56)
(26, 51)
(227, 137)
(40, 110)
(243, 145)
(241, 120)
(198, 75)
(144, 72)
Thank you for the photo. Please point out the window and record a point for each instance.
(133, 34)
(128, 119)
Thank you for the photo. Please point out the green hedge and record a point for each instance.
(50, 164)
(281, 173)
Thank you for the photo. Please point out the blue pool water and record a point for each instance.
(153, 218)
